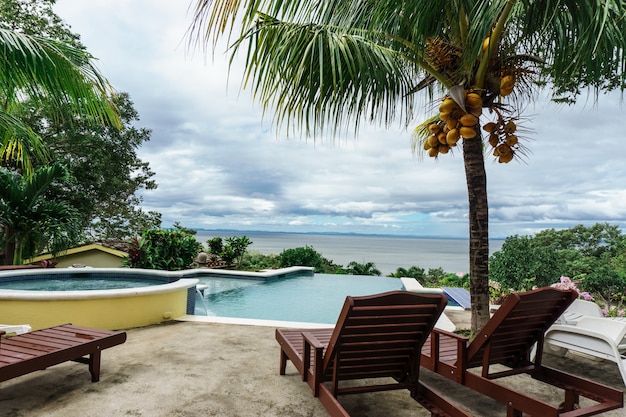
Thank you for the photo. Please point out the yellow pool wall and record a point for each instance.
(106, 309)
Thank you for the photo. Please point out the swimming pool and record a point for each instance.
(78, 284)
(312, 299)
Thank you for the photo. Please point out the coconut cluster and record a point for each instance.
(502, 139)
(453, 123)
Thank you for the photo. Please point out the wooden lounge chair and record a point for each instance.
(507, 340)
(29, 352)
(378, 336)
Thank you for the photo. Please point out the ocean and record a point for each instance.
(387, 252)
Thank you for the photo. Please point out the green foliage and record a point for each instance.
(30, 221)
(93, 135)
(308, 256)
(228, 255)
(413, 272)
(436, 277)
(368, 268)
(216, 245)
(454, 280)
(108, 174)
(44, 71)
(238, 245)
(170, 250)
(593, 256)
(233, 251)
(255, 261)
(520, 259)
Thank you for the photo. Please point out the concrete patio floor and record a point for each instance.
(210, 369)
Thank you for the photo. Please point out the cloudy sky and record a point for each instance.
(220, 164)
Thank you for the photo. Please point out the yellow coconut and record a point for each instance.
(443, 149)
(451, 141)
(468, 120)
(476, 111)
(432, 141)
(427, 145)
(508, 81)
(441, 138)
(486, 44)
(473, 100)
(453, 123)
(506, 85)
(444, 116)
(433, 152)
(468, 132)
(506, 91)
(453, 136)
(447, 105)
(434, 128)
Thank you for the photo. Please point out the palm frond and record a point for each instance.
(54, 72)
(19, 144)
(319, 74)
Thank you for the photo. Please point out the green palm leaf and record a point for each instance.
(51, 72)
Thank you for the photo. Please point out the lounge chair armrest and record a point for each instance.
(457, 336)
(312, 340)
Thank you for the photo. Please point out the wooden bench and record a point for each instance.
(29, 352)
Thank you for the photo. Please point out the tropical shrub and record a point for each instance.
(255, 261)
(170, 250)
(308, 256)
(413, 272)
(216, 245)
(368, 268)
(231, 252)
(521, 263)
(238, 245)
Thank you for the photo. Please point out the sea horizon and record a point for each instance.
(387, 252)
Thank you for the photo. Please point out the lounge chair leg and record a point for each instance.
(94, 365)
(283, 362)
(512, 412)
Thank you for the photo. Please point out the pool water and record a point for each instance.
(312, 299)
(77, 284)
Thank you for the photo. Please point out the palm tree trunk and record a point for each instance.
(9, 248)
(476, 179)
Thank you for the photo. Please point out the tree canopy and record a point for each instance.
(98, 150)
(593, 256)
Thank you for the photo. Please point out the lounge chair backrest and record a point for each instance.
(517, 325)
(578, 309)
(382, 335)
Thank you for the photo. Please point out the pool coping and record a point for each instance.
(252, 322)
(31, 295)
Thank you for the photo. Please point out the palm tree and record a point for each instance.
(45, 71)
(368, 268)
(30, 222)
(325, 64)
